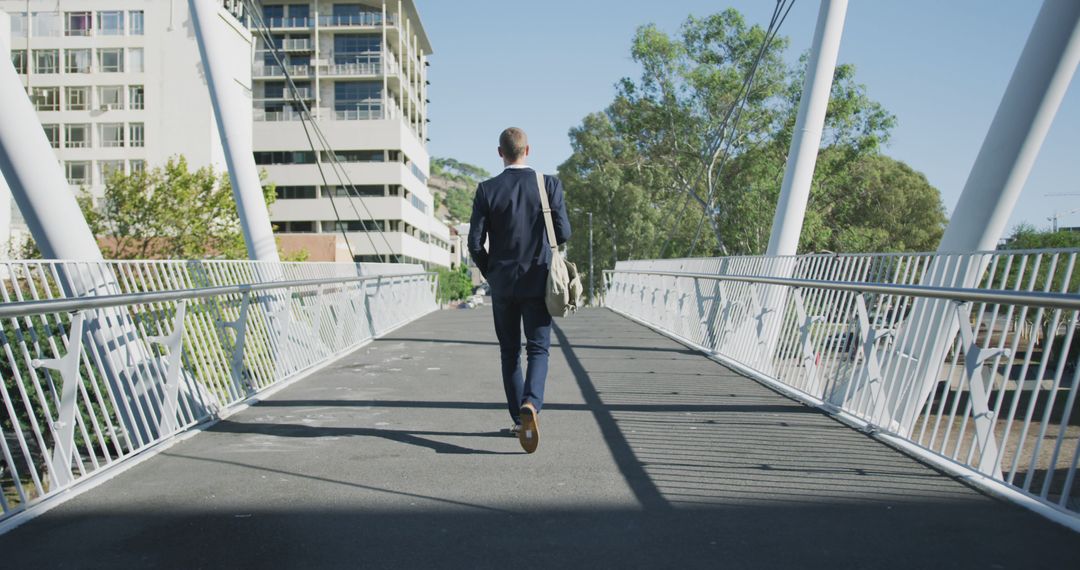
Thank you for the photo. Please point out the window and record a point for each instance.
(46, 61)
(111, 60)
(299, 12)
(77, 98)
(135, 60)
(107, 168)
(285, 157)
(112, 135)
(296, 227)
(77, 136)
(111, 23)
(295, 192)
(354, 226)
(361, 190)
(354, 14)
(47, 98)
(52, 132)
(78, 172)
(18, 25)
(110, 97)
(78, 24)
(77, 61)
(355, 156)
(357, 99)
(135, 17)
(354, 48)
(48, 25)
(135, 97)
(136, 166)
(137, 135)
(18, 59)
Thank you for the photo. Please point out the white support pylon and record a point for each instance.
(1023, 118)
(233, 113)
(37, 179)
(806, 139)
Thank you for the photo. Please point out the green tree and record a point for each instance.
(697, 157)
(454, 284)
(456, 181)
(168, 212)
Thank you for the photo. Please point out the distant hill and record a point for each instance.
(452, 183)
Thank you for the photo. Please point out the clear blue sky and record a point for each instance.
(940, 67)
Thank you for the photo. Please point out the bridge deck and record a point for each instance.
(652, 456)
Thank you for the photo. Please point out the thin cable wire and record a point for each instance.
(775, 23)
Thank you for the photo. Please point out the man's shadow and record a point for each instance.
(410, 437)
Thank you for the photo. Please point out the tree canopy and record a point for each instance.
(456, 181)
(688, 158)
(167, 212)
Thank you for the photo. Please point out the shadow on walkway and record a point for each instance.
(652, 457)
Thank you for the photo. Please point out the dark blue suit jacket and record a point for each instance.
(507, 212)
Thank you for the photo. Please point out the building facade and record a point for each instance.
(361, 69)
(118, 84)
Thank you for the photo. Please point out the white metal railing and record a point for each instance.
(970, 360)
(157, 347)
(365, 68)
(295, 71)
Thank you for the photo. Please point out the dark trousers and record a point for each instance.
(510, 314)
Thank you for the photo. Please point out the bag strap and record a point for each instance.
(547, 210)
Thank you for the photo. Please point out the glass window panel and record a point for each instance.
(47, 98)
(77, 61)
(355, 48)
(107, 168)
(52, 132)
(357, 99)
(76, 136)
(136, 17)
(111, 60)
(78, 23)
(77, 98)
(112, 135)
(48, 24)
(78, 172)
(18, 25)
(135, 166)
(137, 134)
(135, 97)
(135, 60)
(111, 97)
(299, 11)
(111, 23)
(18, 59)
(46, 61)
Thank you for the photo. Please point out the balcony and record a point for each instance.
(287, 23)
(366, 19)
(306, 93)
(357, 69)
(298, 45)
(273, 71)
(359, 114)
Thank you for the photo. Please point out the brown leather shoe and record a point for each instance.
(529, 434)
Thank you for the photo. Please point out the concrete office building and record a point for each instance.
(118, 84)
(361, 67)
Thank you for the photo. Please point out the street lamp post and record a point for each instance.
(592, 291)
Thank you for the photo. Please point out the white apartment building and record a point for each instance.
(361, 67)
(118, 84)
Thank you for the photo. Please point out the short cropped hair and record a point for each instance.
(512, 142)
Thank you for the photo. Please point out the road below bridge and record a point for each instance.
(652, 456)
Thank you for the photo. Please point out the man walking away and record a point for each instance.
(507, 212)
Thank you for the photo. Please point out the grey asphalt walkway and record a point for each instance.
(652, 457)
